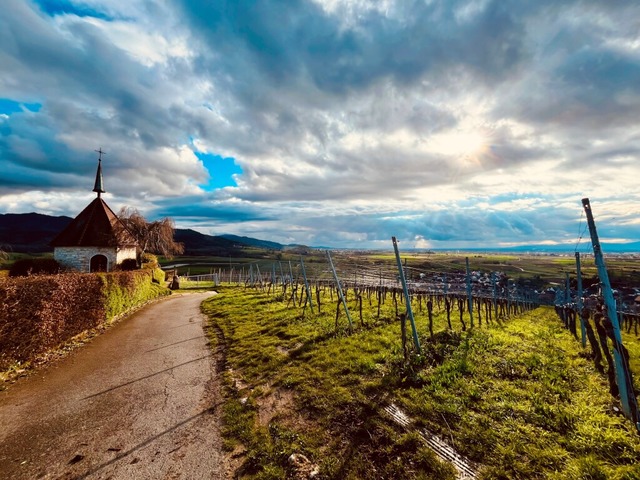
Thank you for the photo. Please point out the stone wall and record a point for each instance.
(79, 258)
(125, 253)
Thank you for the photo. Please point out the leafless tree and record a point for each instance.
(152, 237)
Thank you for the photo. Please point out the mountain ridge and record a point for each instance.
(32, 233)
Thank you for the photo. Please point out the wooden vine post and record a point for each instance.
(623, 372)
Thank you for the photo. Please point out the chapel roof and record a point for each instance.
(95, 226)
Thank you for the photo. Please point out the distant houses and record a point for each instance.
(96, 240)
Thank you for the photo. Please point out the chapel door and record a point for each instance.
(98, 263)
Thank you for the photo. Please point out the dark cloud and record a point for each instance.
(204, 210)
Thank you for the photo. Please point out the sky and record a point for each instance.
(340, 123)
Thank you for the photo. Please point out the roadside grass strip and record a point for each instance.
(520, 397)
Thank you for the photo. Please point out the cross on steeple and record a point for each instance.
(101, 153)
(99, 186)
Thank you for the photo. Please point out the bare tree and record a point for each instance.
(152, 237)
(4, 252)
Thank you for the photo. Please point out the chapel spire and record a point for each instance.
(99, 185)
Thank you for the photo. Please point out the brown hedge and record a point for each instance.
(40, 312)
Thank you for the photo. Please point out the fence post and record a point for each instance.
(623, 373)
(344, 302)
(290, 274)
(258, 275)
(281, 275)
(495, 300)
(469, 296)
(416, 340)
(567, 300)
(306, 284)
(583, 329)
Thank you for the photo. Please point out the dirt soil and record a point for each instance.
(139, 402)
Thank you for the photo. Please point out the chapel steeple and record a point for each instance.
(99, 185)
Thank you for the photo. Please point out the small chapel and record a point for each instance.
(96, 240)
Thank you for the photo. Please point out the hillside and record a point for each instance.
(254, 242)
(29, 232)
(196, 243)
(32, 233)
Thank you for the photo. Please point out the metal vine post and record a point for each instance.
(344, 302)
(623, 373)
(306, 284)
(416, 340)
(583, 329)
(469, 295)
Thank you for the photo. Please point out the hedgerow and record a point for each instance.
(34, 266)
(38, 313)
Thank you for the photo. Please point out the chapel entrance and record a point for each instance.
(98, 263)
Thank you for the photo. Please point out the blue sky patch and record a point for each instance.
(60, 7)
(220, 169)
(8, 106)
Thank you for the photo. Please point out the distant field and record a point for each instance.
(550, 269)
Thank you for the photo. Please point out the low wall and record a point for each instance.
(41, 312)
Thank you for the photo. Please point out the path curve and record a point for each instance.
(140, 401)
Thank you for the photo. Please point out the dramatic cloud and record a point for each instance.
(466, 123)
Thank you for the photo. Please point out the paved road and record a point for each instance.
(138, 402)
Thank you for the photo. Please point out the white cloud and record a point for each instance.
(352, 120)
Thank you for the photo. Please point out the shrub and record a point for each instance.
(149, 260)
(38, 313)
(128, 264)
(34, 266)
(159, 276)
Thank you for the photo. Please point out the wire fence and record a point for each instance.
(466, 296)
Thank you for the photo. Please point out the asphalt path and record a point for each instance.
(138, 402)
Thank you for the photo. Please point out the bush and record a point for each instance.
(124, 290)
(159, 276)
(34, 266)
(149, 260)
(128, 264)
(40, 312)
(37, 313)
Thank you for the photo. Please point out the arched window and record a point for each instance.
(98, 263)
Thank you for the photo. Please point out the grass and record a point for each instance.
(521, 398)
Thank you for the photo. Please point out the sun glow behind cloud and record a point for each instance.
(458, 144)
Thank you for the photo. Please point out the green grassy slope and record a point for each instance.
(521, 397)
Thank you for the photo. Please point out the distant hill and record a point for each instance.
(254, 242)
(196, 243)
(32, 233)
(29, 232)
(560, 249)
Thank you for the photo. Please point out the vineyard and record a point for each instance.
(319, 351)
